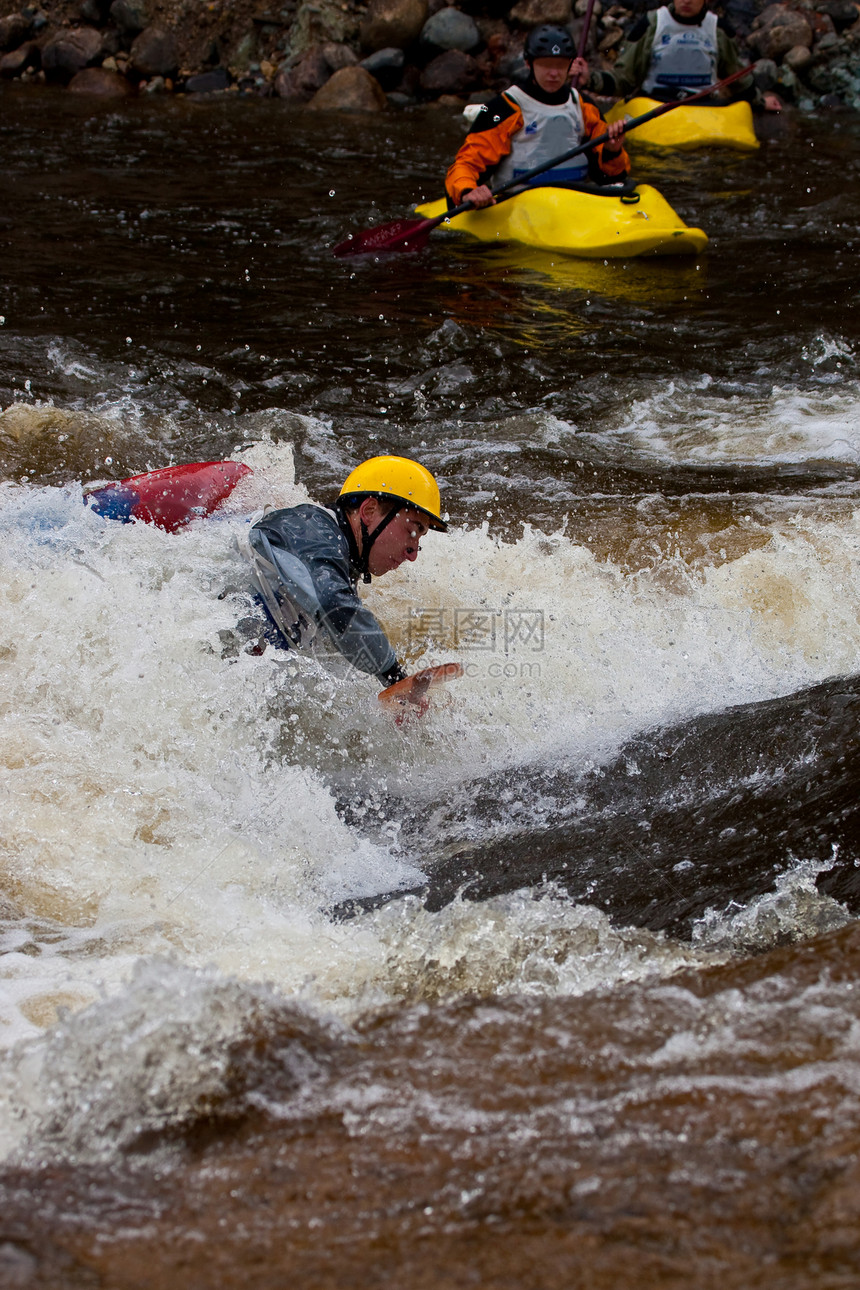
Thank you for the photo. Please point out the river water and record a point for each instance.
(614, 1037)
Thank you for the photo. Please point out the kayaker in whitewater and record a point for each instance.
(530, 124)
(307, 560)
(675, 51)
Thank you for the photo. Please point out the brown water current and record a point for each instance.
(612, 1037)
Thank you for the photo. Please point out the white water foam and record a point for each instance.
(166, 803)
(699, 423)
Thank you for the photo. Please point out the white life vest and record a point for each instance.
(549, 129)
(682, 56)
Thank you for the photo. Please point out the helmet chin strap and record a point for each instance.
(368, 539)
(361, 557)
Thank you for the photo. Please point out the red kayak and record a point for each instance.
(170, 497)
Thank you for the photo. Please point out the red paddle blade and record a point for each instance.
(399, 235)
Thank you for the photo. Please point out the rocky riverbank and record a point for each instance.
(344, 54)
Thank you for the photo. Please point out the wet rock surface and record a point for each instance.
(654, 838)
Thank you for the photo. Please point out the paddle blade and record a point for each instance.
(410, 695)
(399, 235)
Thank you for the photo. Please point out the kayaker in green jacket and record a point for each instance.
(307, 560)
(675, 51)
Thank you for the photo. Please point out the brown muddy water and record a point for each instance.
(560, 987)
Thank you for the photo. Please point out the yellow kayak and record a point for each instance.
(686, 128)
(593, 226)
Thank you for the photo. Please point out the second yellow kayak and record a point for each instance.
(686, 128)
(590, 225)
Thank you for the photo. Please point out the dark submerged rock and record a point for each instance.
(212, 82)
(100, 81)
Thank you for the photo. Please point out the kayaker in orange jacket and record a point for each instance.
(528, 125)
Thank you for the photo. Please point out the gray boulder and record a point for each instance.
(777, 30)
(842, 13)
(154, 53)
(453, 72)
(386, 66)
(337, 55)
(352, 89)
(392, 23)
(70, 51)
(130, 16)
(299, 79)
(798, 58)
(14, 30)
(26, 57)
(766, 75)
(213, 82)
(451, 29)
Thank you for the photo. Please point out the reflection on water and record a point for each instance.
(657, 462)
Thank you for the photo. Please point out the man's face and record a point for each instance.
(552, 73)
(397, 542)
(688, 8)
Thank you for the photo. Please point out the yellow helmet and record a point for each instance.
(401, 479)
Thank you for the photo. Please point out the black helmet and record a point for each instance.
(549, 42)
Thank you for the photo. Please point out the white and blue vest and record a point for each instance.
(549, 129)
(682, 56)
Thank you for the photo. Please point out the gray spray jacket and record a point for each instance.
(306, 572)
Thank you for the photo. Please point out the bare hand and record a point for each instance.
(615, 131)
(579, 73)
(478, 197)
